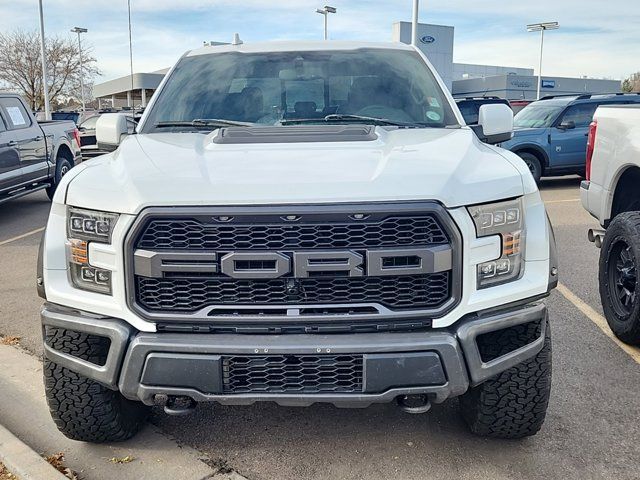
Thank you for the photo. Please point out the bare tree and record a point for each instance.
(20, 66)
(632, 84)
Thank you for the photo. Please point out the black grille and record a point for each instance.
(191, 294)
(397, 231)
(292, 373)
(288, 230)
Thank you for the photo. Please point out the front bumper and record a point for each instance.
(441, 363)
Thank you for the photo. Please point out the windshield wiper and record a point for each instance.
(348, 118)
(204, 123)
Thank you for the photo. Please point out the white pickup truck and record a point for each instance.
(298, 223)
(611, 193)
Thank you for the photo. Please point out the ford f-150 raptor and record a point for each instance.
(298, 223)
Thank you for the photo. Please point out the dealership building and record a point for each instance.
(437, 42)
(468, 80)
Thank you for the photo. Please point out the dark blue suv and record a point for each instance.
(550, 135)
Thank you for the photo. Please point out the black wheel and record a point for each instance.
(533, 162)
(63, 165)
(514, 403)
(83, 409)
(618, 277)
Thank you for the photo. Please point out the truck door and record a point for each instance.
(569, 136)
(10, 170)
(28, 138)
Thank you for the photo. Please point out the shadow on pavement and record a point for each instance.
(551, 183)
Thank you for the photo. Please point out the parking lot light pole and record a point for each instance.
(43, 54)
(80, 30)
(326, 11)
(541, 27)
(414, 23)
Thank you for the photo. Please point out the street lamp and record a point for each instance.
(541, 27)
(80, 30)
(326, 11)
(414, 23)
(43, 54)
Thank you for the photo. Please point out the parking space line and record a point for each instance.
(568, 200)
(24, 235)
(599, 320)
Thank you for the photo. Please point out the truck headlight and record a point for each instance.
(84, 227)
(505, 219)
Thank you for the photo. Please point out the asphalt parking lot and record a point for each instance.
(592, 428)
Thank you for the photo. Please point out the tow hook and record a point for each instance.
(414, 404)
(596, 236)
(174, 405)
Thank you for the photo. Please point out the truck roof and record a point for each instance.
(295, 46)
(567, 99)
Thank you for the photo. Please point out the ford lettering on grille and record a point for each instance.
(262, 265)
(310, 266)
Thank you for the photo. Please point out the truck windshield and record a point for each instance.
(285, 88)
(537, 115)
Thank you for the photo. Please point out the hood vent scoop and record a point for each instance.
(296, 134)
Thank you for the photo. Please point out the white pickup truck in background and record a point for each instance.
(611, 193)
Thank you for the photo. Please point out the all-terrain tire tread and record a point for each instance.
(81, 408)
(514, 403)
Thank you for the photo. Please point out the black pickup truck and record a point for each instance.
(33, 156)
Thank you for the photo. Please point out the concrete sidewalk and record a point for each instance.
(23, 462)
(23, 410)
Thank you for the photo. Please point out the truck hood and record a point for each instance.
(170, 169)
(521, 135)
(524, 131)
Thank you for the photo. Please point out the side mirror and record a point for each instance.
(495, 123)
(111, 128)
(568, 125)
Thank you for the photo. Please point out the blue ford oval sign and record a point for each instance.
(427, 39)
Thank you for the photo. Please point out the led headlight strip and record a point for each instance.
(84, 227)
(505, 219)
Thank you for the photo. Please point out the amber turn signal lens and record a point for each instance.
(79, 251)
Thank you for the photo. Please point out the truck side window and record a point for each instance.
(14, 113)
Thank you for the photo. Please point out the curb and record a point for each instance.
(24, 462)
(24, 410)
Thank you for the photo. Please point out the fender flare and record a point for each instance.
(535, 147)
(54, 154)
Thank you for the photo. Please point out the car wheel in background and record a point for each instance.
(63, 165)
(535, 167)
(618, 276)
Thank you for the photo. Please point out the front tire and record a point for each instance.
(514, 403)
(81, 408)
(618, 277)
(533, 163)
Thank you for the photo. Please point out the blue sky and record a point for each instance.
(597, 38)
